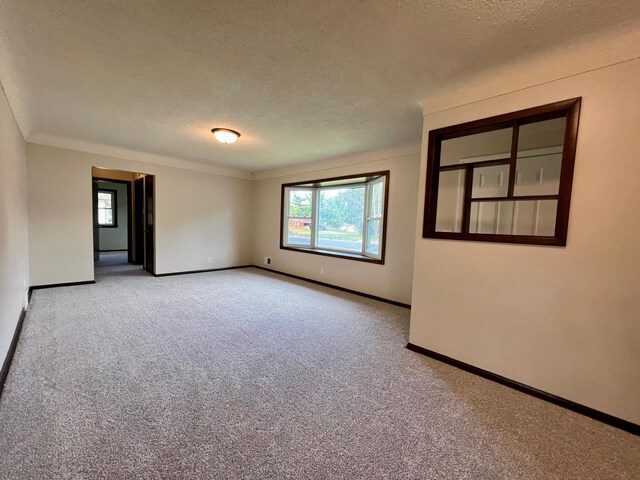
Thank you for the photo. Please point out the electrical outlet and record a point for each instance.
(209, 259)
(267, 260)
(321, 270)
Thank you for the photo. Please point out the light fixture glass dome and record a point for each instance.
(224, 135)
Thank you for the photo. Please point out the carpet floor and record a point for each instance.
(110, 259)
(247, 374)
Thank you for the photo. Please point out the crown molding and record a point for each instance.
(343, 161)
(614, 47)
(13, 112)
(134, 155)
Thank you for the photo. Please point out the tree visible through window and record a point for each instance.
(339, 215)
(107, 216)
(340, 219)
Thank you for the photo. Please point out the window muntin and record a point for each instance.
(107, 213)
(343, 216)
(506, 178)
(374, 216)
(299, 217)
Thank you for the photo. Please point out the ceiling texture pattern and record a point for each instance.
(302, 80)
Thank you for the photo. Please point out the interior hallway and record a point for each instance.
(113, 263)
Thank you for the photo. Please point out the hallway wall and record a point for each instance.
(14, 260)
(200, 216)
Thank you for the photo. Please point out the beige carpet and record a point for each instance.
(247, 374)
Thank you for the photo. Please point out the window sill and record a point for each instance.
(330, 253)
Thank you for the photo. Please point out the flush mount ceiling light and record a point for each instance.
(224, 135)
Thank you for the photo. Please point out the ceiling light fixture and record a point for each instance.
(224, 135)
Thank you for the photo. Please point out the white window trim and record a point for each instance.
(287, 217)
(315, 198)
(112, 194)
(368, 218)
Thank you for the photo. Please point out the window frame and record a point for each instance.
(314, 186)
(114, 207)
(566, 108)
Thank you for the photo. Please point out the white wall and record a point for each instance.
(391, 280)
(14, 262)
(198, 215)
(563, 320)
(115, 238)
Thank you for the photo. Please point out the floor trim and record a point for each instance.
(562, 402)
(188, 272)
(335, 287)
(6, 365)
(56, 285)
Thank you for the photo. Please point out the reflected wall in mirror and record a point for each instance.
(539, 160)
(491, 181)
(522, 217)
(450, 201)
(479, 147)
(506, 178)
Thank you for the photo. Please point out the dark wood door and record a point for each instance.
(96, 225)
(138, 222)
(149, 224)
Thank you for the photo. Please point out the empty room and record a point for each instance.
(316, 240)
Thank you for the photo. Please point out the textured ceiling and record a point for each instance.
(302, 79)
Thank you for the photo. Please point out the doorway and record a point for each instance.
(123, 221)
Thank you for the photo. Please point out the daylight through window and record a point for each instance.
(107, 208)
(342, 216)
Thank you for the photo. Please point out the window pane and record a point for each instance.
(450, 201)
(490, 181)
(300, 203)
(373, 236)
(539, 161)
(299, 231)
(377, 196)
(479, 147)
(525, 217)
(104, 200)
(340, 212)
(108, 217)
(105, 217)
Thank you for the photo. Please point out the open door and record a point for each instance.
(137, 218)
(138, 221)
(96, 225)
(149, 224)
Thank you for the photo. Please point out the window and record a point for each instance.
(107, 209)
(343, 216)
(503, 179)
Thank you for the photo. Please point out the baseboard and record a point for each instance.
(57, 285)
(335, 287)
(189, 272)
(562, 402)
(12, 349)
